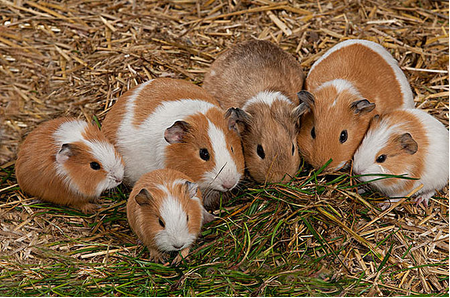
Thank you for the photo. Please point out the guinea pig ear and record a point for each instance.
(238, 119)
(191, 189)
(407, 143)
(306, 102)
(375, 120)
(66, 151)
(143, 197)
(176, 132)
(362, 106)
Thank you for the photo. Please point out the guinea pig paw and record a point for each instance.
(424, 198)
(156, 256)
(181, 256)
(88, 208)
(384, 205)
(361, 191)
(176, 260)
(423, 201)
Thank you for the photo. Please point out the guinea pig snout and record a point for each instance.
(228, 184)
(178, 246)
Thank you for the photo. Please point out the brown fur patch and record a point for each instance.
(163, 90)
(250, 67)
(112, 121)
(398, 160)
(36, 171)
(328, 127)
(78, 167)
(375, 81)
(185, 156)
(275, 130)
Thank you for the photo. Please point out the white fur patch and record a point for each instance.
(408, 98)
(266, 97)
(176, 231)
(225, 170)
(436, 169)
(374, 141)
(143, 147)
(104, 152)
(340, 85)
(436, 173)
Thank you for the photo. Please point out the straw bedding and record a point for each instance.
(75, 58)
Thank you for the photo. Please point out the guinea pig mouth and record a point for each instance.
(114, 182)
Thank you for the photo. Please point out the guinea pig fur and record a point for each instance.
(168, 123)
(165, 211)
(68, 162)
(351, 83)
(409, 142)
(263, 80)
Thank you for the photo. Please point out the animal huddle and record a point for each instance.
(180, 145)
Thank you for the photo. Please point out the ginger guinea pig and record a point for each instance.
(68, 162)
(168, 123)
(165, 211)
(351, 83)
(263, 80)
(409, 142)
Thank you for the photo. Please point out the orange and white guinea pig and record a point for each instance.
(409, 142)
(68, 162)
(352, 82)
(165, 211)
(168, 123)
(263, 80)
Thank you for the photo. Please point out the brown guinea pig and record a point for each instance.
(68, 162)
(263, 80)
(165, 211)
(351, 83)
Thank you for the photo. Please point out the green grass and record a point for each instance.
(268, 241)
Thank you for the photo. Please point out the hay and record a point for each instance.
(77, 57)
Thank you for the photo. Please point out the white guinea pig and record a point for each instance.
(409, 142)
(347, 86)
(263, 80)
(68, 162)
(168, 123)
(165, 211)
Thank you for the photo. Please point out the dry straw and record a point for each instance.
(314, 236)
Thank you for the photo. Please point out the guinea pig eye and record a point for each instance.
(232, 150)
(343, 137)
(187, 217)
(204, 154)
(161, 223)
(260, 151)
(313, 133)
(95, 166)
(293, 149)
(381, 158)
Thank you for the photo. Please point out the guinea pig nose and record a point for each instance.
(227, 185)
(177, 247)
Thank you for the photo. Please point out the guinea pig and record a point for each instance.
(351, 83)
(263, 80)
(68, 162)
(404, 142)
(168, 123)
(165, 211)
